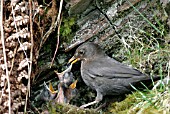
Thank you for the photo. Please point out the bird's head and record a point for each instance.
(86, 51)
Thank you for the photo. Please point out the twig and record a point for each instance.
(5, 83)
(31, 53)
(5, 59)
(58, 40)
(59, 13)
(32, 43)
(52, 28)
(58, 30)
(168, 77)
(107, 18)
(15, 50)
(28, 61)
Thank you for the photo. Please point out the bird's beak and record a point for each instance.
(50, 88)
(73, 60)
(73, 85)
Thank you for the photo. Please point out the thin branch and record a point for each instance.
(5, 58)
(58, 40)
(52, 28)
(15, 50)
(5, 83)
(28, 61)
(32, 42)
(31, 53)
(168, 77)
(58, 31)
(59, 13)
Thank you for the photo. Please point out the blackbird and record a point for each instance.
(104, 74)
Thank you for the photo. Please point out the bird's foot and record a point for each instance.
(101, 106)
(88, 104)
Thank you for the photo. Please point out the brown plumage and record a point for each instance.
(104, 74)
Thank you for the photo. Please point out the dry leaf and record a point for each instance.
(10, 54)
(21, 75)
(23, 64)
(24, 46)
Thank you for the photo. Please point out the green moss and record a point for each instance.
(123, 106)
(68, 109)
(152, 110)
(68, 26)
(134, 103)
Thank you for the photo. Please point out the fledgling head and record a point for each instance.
(67, 80)
(47, 93)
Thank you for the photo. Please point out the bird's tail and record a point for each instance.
(148, 82)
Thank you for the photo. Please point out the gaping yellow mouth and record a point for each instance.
(73, 60)
(52, 89)
(73, 85)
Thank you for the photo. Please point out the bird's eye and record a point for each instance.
(81, 52)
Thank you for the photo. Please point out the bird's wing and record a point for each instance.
(110, 68)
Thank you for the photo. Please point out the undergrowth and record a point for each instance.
(148, 51)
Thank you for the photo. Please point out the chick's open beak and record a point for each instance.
(73, 60)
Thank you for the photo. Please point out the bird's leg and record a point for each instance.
(88, 104)
(99, 98)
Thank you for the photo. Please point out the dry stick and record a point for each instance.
(13, 14)
(52, 28)
(168, 78)
(32, 43)
(58, 31)
(58, 40)
(21, 45)
(15, 50)
(60, 9)
(5, 59)
(9, 73)
(31, 54)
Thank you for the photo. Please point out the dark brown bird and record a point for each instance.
(104, 74)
